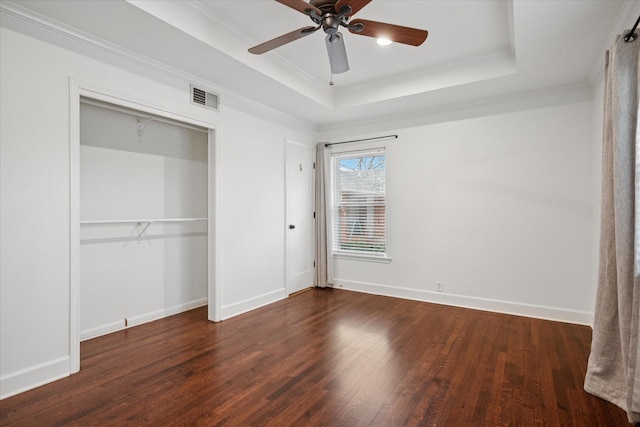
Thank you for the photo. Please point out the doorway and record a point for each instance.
(205, 217)
(143, 217)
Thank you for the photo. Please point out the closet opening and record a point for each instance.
(145, 198)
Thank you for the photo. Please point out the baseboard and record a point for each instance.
(498, 306)
(249, 304)
(34, 376)
(107, 328)
(140, 319)
(166, 312)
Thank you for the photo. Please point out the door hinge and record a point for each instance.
(314, 215)
(314, 264)
(314, 165)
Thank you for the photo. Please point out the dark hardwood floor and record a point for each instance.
(328, 358)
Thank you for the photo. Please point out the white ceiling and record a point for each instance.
(476, 49)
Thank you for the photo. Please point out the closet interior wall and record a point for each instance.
(143, 211)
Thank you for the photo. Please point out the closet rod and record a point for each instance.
(362, 140)
(136, 221)
(140, 114)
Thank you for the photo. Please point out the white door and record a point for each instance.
(299, 225)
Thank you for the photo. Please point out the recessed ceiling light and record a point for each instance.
(383, 41)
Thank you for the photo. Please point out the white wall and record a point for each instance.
(126, 279)
(253, 190)
(35, 198)
(498, 208)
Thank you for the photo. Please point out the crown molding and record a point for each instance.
(512, 102)
(48, 30)
(227, 41)
(491, 65)
(198, 8)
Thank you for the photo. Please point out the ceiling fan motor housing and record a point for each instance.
(330, 23)
(329, 20)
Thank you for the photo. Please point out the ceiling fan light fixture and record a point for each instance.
(383, 41)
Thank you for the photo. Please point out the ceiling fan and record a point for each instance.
(330, 15)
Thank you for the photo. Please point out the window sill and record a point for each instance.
(367, 258)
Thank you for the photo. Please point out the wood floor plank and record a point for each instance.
(328, 358)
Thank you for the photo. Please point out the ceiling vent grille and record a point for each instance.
(205, 99)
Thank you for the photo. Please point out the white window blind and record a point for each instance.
(358, 185)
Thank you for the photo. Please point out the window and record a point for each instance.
(358, 212)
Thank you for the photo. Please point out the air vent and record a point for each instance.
(205, 99)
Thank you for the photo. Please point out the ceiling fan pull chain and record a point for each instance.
(331, 59)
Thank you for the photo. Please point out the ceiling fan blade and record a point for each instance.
(282, 40)
(356, 5)
(337, 53)
(300, 6)
(395, 33)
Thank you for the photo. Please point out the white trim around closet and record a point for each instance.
(78, 89)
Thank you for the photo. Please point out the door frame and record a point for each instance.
(79, 89)
(288, 143)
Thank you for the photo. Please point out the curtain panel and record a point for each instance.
(613, 373)
(324, 245)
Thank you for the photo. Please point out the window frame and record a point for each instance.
(354, 149)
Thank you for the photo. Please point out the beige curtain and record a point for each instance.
(613, 372)
(324, 253)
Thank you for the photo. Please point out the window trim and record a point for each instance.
(363, 257)
(356, 148)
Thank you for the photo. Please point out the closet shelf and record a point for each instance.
(139, 222)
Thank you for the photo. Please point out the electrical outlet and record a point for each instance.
(439, 287)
